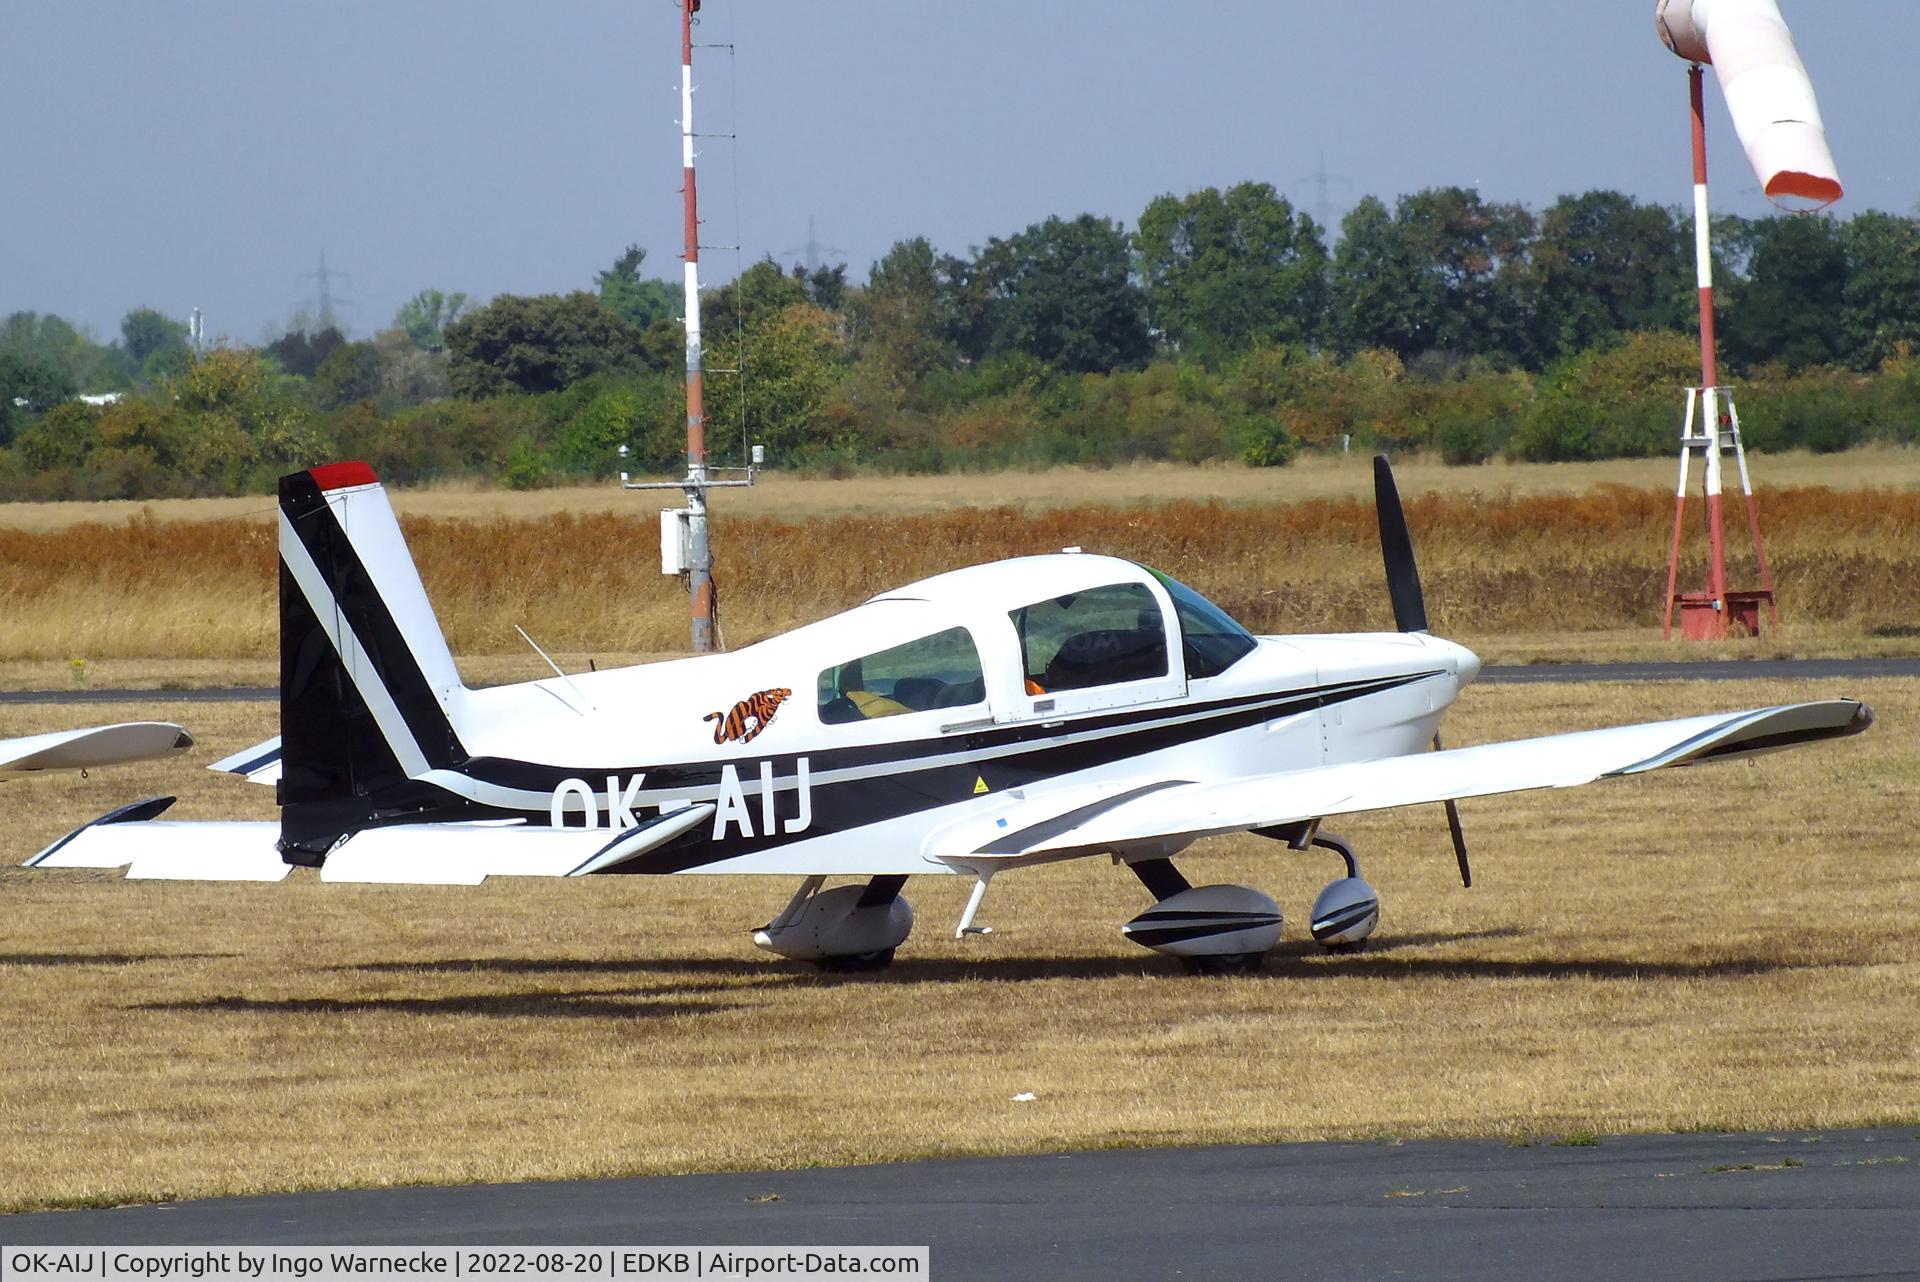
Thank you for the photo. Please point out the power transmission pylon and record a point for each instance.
(1322, 181)
(813, 250)
(323, 279)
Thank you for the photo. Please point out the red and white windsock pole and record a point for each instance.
(1771, 100)
(1709, 372)
(700, 550)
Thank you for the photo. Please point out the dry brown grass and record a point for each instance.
(801, 498)
(788, 497)
(588, 584)
(1733, 947)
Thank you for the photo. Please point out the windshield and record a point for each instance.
(1209, 638)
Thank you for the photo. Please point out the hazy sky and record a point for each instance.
(206, 152)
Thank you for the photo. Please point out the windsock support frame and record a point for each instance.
(1710, 428)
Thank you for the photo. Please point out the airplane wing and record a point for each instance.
(1158, 811)
(95, 746)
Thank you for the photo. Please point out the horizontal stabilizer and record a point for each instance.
(90, 748)
(440, 854)
(1187, 810)
(189, 851)
(258, 764)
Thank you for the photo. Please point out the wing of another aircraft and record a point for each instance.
(1177, 809)
(95, 746)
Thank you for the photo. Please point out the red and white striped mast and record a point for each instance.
(1770, 97)
(1717, 425)
(700, 551)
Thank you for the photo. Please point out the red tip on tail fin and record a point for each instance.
(338, 476)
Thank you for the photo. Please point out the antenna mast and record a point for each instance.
(684, 544)
(700, 551)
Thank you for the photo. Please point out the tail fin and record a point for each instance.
(369, 694)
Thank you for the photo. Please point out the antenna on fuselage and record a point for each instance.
(558, 671)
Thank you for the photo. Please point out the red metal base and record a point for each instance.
(1700, 614)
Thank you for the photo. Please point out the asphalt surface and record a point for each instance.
(1833, 1204)
(1723, 670)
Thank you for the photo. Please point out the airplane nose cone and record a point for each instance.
(1465, 663)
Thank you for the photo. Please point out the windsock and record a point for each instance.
(1766, 87)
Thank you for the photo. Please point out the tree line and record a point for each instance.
(1223, 325)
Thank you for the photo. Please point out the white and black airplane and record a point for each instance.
(1009, 714)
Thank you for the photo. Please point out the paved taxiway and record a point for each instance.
(1726, 670)
(1828, 1204)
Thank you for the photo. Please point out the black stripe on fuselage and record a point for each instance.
(540, 777)
(853, 803)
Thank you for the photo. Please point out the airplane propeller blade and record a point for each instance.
(1396, 549)
(1459, 844)
(1459, 835)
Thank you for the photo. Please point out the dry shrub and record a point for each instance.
(590, 581)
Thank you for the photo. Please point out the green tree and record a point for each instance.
(826, 286)
(1791, 306)
(780, 397)
(409, 373)
(899, 313)
(759, 293)
(1604, 264)
(29, 386)
(1618, 401)
(538, 344)
(1063, 292)
(1880, 305)
(301, 352)
(1446, 271)
(145, 333)
(427, 314)
(350, 373)
(53, 341)
(638, 300)
(1380, 298)
(236, 422)
(1223, 271)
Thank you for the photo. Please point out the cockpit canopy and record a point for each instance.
(1097, 636)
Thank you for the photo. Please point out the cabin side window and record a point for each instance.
(1103, 636)
(938, 671)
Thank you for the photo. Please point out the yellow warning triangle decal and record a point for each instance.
(979, 785)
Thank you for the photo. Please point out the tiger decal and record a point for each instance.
(757, 708)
